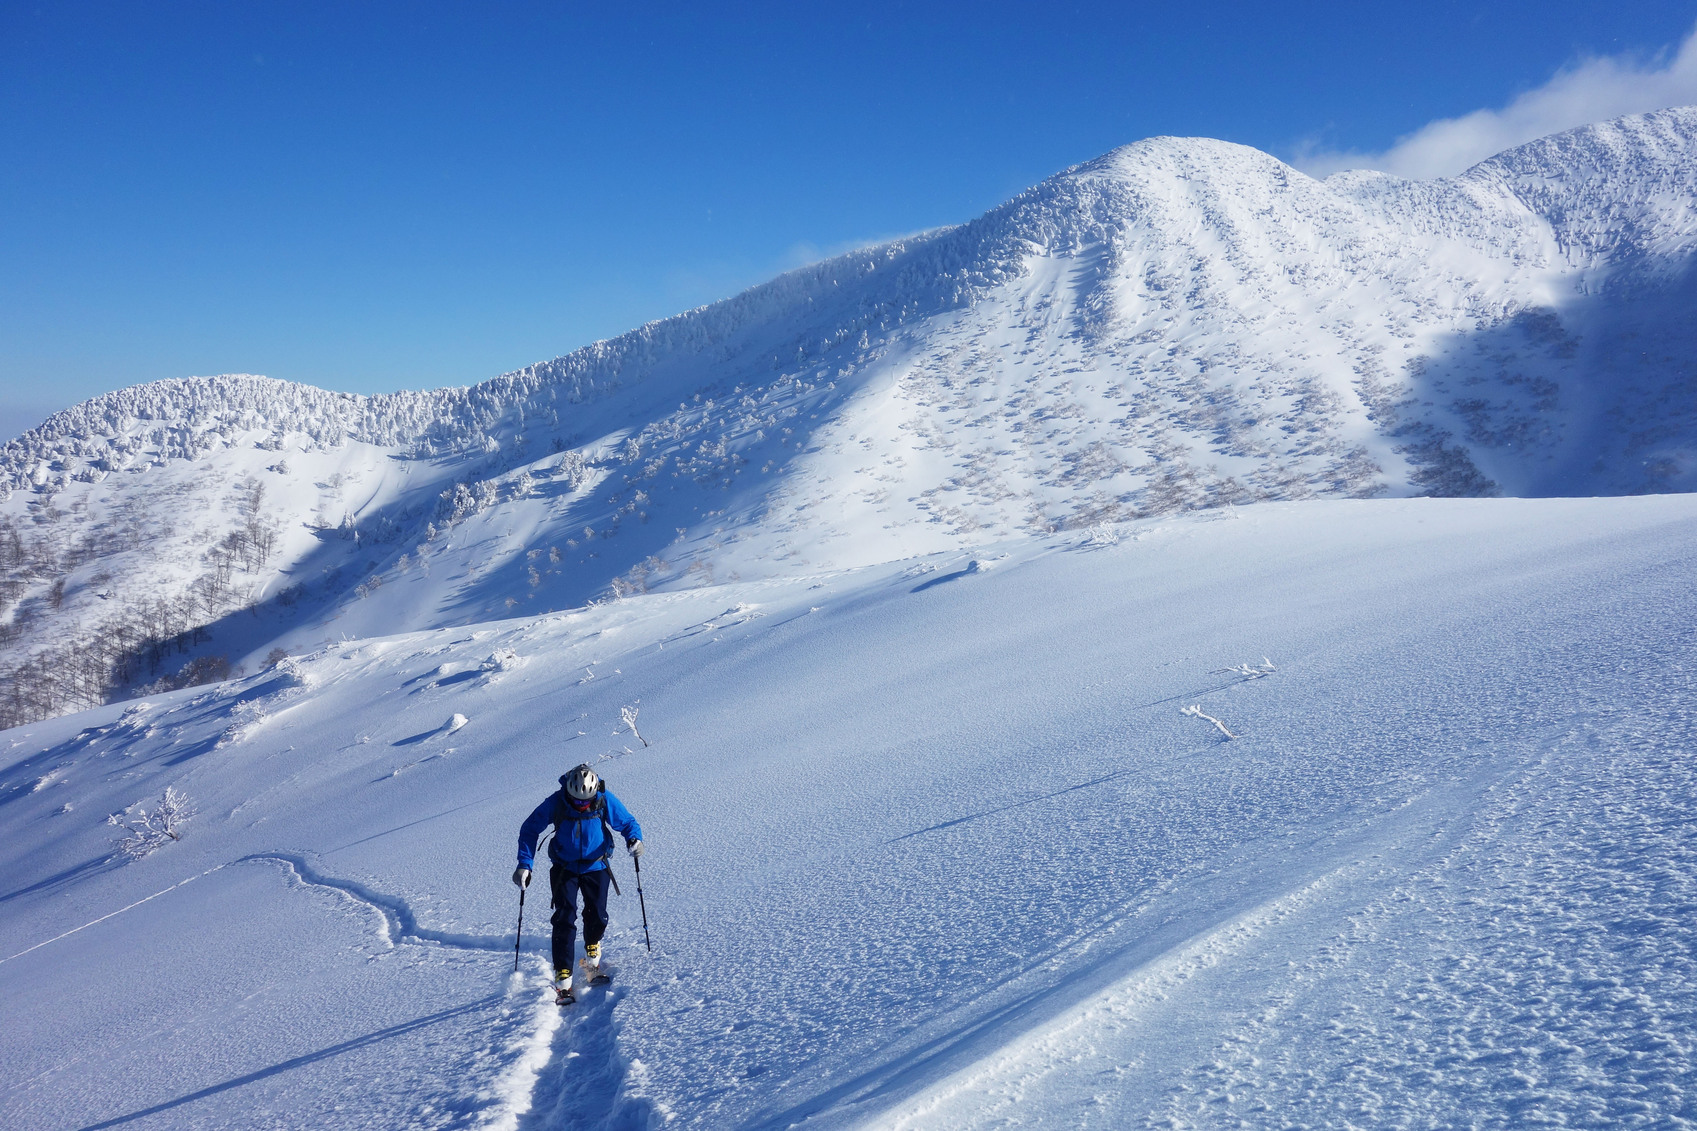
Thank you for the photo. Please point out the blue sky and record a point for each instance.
(371, 196)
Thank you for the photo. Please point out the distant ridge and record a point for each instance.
(1181, 323)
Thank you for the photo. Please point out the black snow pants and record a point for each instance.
(566, 885)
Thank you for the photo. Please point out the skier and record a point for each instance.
(584, 815)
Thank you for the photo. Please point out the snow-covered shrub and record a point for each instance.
(1195, 709)
(627, 718)
(291, 673)
(245, 717)
(150, 830)
(1248, 671)
(502, 660)
(200, 670)
(1100, 536)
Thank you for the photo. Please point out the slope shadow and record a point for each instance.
(957, 574)
(423, 820)
(193, 750)
(366, 1041)
(1594, 396)
(1010, 805)
(70, 875)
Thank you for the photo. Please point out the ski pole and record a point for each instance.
(520, 934)
(637, 860)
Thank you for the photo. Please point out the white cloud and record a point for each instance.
(806, 254)
(1592, 90)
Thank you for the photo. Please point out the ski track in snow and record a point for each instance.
(524, 1025)
(1144, 955)
(589, 1082)
(560, 1068)
(1472, 983)
(537, 1070)
(400, 925)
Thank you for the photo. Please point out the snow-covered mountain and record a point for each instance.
(993, 770)
(1180, 324)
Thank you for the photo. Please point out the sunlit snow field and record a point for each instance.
(931, 845)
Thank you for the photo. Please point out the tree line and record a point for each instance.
(131, 648)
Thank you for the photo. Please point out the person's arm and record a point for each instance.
(623, 823)
(532, 828)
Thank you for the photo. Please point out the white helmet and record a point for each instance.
(581, 783)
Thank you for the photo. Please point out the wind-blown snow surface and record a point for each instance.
(1179, 324)
(932, 845)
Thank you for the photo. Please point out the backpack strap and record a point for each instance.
(606, 825)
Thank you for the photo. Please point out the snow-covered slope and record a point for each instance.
(1180, 324)
(931, 845)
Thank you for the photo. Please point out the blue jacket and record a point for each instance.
(579, 844)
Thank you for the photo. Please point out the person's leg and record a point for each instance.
(595, 887)
(565, 885)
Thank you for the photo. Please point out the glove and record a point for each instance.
(635, 847)
(521, 876)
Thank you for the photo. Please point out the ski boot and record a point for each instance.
(594, 973)
(563, 988)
